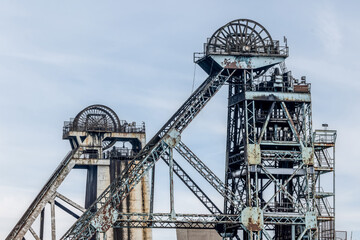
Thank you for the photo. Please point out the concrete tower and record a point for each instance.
(95, 130)
(94, 136)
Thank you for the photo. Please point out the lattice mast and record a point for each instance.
(270, 186)
(269, 160)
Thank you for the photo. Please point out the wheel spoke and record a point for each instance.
(97, 118)
(239, 33)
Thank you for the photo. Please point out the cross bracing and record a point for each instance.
(272, 164)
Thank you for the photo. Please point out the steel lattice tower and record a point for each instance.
(274, 160)
(270, 152)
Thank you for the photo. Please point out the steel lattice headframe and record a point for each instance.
(270, 174)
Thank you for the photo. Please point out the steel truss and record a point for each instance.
(93, 130)
(101, 215)
(165, 220)
(270, 152)
(270, 177)
(270, 180)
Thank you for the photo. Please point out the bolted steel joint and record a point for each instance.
(172, 138)
(252, 218)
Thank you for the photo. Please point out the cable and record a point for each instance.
(193, 84)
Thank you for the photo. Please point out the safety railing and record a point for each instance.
(323, 205)
(323, 158)
(124, 127)
(325, 136)
(269, 48)
(119, 152)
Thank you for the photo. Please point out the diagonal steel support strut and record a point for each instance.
(187, 180)
(205, 172)
(102, 214)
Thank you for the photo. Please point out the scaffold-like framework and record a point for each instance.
(274, 160)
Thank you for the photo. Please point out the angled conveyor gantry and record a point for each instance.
(237, 53)
(269, 185)
(103, 214)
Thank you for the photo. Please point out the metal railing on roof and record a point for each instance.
(124, 127)
(325, 136)
(267, 49)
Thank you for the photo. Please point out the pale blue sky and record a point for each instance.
(57, 57)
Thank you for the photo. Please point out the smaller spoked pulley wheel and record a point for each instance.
(97, 118)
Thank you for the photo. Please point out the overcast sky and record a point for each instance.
(57, 57)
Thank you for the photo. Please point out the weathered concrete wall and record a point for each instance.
(103, 181)
(137, 201)
(146, 204)
(197, 234)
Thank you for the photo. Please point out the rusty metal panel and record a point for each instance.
(245, 62)
(301, 88)
(103, 220)
(272, 97)
(308, 155)
(252, 218)
(253, 154)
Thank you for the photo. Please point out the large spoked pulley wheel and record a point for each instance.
(241, 36)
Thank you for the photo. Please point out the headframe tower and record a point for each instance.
(274, 161)
(270, 151)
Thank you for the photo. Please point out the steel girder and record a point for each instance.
(269, 146)
(165, 220)
(103, 212)
(46, 195)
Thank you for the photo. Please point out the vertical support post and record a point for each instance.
(249, 185)
(334, 222)
(253, 114)
(266, 122)
(42, 216)
(308, 205)
(293, 232)
(305, 124)
(171, 174)
(152, 191)
(246, 144)
(256, 187)
(53, 228)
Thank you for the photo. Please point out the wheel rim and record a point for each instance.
(97, 118)
(240, 36)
